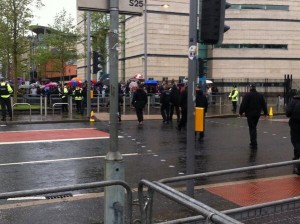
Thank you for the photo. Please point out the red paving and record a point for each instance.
(259, 191)
(57, 134)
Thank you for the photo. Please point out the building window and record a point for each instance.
(254, 46)
(260, 7)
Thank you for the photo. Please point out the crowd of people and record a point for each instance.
(173, 100)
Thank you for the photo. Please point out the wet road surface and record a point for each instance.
(49, 155)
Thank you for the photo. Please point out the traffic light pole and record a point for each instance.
(114, 166)
(88, 64)
(192, 68)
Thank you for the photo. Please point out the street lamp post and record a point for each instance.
(145, 35)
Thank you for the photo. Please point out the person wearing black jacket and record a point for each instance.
(139, 100)
(175, 94)
(165, 99)
(252, 105)
(201, 101)
(183, 101)
(293, 112)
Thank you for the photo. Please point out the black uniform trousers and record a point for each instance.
(183, 119)
(295, 139)
(165, 111)
(5, 105)
(139, 114)
(252, 123)
(176, 108)
(234, 106)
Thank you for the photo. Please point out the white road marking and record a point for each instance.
(171, 166)
(61, 160)
(52, 140)
(27, 198)
(63, 129)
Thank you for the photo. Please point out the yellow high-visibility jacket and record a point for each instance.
(234, 95)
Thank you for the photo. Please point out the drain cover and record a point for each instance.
(59, 196)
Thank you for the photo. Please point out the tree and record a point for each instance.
(15, 19)
(61, 43)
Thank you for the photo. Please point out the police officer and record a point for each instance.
(78, 96)
(5, 91)
(64, 98)
(233, 96)
(165, 100)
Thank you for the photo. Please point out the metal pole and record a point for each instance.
(114, 166)
(145, 41)
(190, 112)
(88, 64)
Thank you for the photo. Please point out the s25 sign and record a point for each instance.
(127, 7)
(136, 3)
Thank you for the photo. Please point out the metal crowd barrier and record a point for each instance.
(21, 104)
(55, 104)
(27, 193)
(238, 213)
(146, 211)
(219, 104)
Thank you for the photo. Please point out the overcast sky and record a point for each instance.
(46, 14)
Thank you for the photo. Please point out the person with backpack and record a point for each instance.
(165, 99)
(293, 112)
(252, 105)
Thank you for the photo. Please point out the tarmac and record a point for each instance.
(222, 196)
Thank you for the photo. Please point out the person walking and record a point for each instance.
(175, 95)
(201, 101)
(234, 97)
(5, 91)
(139, 101)
(165, 99)
(183, 101)
(293, 112)
(252, 105)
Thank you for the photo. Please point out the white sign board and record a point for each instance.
(192, 52)
(128, 7)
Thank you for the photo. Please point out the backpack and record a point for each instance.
(166, 96)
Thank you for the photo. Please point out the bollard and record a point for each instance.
(92, 117)
(271, 112)
(92, 94)
(199, 119)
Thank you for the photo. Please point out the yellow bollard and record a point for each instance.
(271, 112)
(92, 117)
(199, 119)
(92, 94)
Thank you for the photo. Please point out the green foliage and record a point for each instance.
(15, 19)
(59, 45)
(99, 32)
